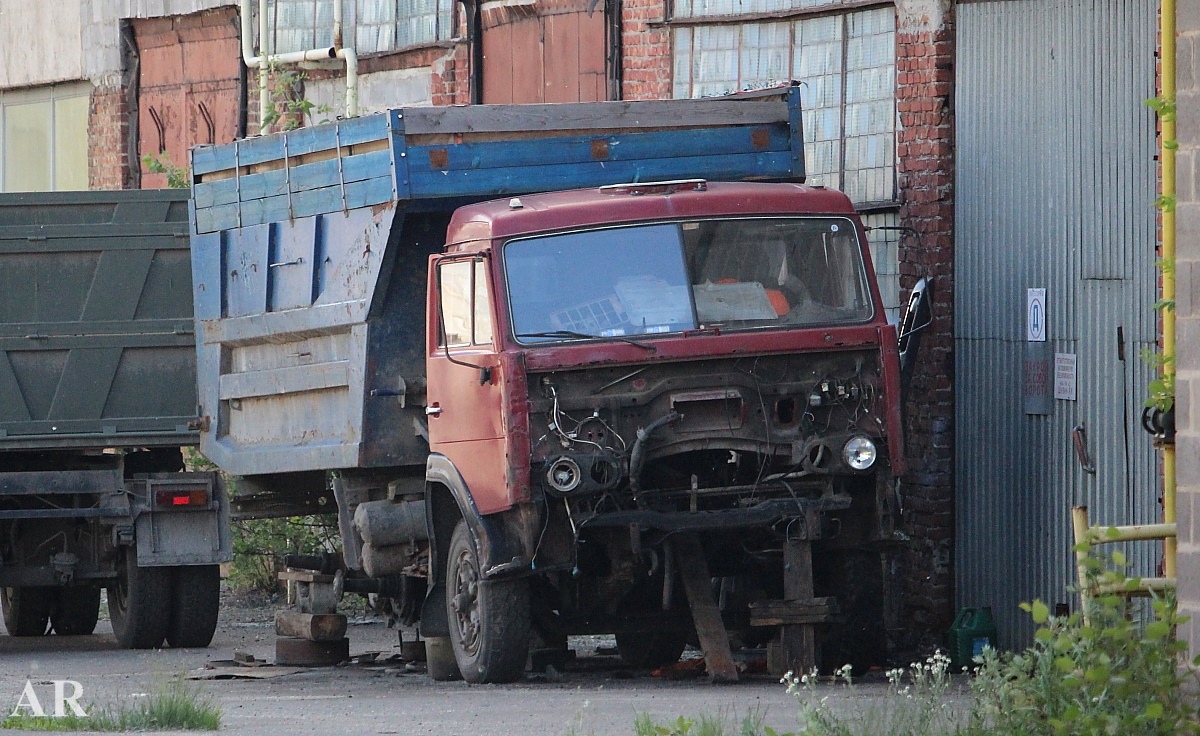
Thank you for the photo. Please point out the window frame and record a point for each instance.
(51, 94)
(839, 8)
(351, 22)
(478, 267)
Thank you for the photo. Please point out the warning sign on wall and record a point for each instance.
(1065, 376)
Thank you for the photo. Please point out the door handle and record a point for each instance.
(433, 411)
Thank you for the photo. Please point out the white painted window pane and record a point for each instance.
(27, 141)
(715, 61)
(884, 246)
(682, 77)
(706, 8)
(765, 54)
(70, 143)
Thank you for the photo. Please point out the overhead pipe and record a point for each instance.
(263, 60)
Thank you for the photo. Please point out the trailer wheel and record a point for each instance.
(195, 603)
(75, 611)
(26, 610)
(489, 619)
(140, 604)
(651, 649)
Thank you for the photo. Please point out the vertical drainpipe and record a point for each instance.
(1167, 154)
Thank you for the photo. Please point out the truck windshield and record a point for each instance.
(744, 273)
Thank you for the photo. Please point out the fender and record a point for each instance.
(500, 553)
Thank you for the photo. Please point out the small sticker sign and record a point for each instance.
(1065, 365)
(1036, 380)
(1035, 315)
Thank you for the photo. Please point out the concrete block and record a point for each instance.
(1187, 459)
(1186, 298)
(1185, 175)
(1187, 231)
(1189, 579)
(1188, 118)
(1187, 17)
(1185, 63)
(1186, 391)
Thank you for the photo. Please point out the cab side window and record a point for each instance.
(466, 304)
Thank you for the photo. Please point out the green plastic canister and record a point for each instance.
(973, 630)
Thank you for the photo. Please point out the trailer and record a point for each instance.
(97, 398)
(556, 376)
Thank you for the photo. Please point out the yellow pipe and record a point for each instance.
(1167, 30)
(1141, 532)
(1079, 523)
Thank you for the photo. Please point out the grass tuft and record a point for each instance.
(175, 708)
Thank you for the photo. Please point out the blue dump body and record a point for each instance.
(310, 249)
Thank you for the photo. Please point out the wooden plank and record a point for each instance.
(697, 583)
(594, 116)
(526, 179)
(310, 626)
(631, 146)
(798, 641)
(303, 177)
(777, 613)
(285, 380)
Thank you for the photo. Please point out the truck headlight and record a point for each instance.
(859, 453)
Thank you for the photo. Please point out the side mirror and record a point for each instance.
(917, 316)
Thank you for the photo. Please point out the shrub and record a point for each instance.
(1106, 673)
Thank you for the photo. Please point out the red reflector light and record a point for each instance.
(180, 498)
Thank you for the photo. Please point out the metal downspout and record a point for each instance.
(1167, 154)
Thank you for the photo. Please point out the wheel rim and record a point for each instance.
(465, 602)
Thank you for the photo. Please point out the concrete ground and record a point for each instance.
(595, 695)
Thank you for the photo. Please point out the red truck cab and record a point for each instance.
(619, 374)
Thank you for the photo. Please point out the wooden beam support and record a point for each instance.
(798, 641)
(311, 626)
(697, 583)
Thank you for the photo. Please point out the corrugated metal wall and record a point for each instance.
(1055, 187)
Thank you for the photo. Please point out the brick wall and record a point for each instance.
(1187, 312)
(108, 137)
(645, 51)
(925, 148)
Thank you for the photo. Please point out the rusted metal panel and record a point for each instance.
(95, 320)
(1054, 191)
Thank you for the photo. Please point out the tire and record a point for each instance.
(27, 610)
(489, 620)
(650, 650)
(140, 604)
(75, 611)
(195, 603)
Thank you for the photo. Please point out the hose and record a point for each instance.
(637, 456)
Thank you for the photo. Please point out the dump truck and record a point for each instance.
(97, 398)
(560, 369)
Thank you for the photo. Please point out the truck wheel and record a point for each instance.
(489, 619)
(76, 611)
(195, 602)
(650, 650)
(26, 610)
(140, 604)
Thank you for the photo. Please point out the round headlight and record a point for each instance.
(859, 453)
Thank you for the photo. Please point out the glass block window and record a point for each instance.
(373, 26)
(885, 256)
(845, 62)
(43, 138)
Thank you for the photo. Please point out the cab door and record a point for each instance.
(464, 401)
